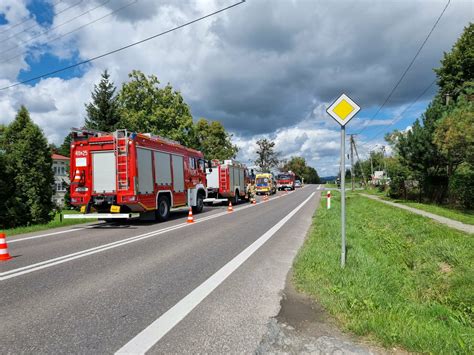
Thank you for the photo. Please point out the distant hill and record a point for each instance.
(328, 179)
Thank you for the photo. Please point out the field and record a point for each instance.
(408, 281)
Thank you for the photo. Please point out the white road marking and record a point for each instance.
(146, 339)
(78, 229)
(80, 254)
(45, 235)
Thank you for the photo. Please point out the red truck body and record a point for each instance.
(129, 172)
(286, 181)
(227, 180)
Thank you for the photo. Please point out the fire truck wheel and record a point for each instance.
(163, 211)
(199, 204)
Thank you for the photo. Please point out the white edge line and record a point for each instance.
(45, 235)
(147, 338)
(69, 257)
(88, 227)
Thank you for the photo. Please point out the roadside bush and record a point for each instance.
(461, 186)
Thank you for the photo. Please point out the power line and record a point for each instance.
(409, 65)
(75, 29)
(36, 24)
(54, 28)
(124, 47)
(26, 20)
(400, 116)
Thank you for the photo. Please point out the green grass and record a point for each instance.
(408, 282)
(55, 223)
(464, 216)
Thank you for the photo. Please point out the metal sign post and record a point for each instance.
(343, 110)
(343, 196)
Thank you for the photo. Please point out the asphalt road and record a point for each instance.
(208, 287)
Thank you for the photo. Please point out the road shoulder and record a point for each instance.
(234, 317)
(303, 326)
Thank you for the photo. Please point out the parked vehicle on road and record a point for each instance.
(298, 183)
(124, 174)
(265, 184)
(226, 181)
(286, 181)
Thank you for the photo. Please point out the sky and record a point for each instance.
(264, 69)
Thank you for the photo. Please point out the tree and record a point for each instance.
(65, 147)
(454, 135)
(211, 138)
(267, 158)
(311, 176)
(145, 107)
(457, 66)
(29, 164)
(102, 112)
(301, 170)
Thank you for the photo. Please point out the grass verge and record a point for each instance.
(55, 223)
(408, 281)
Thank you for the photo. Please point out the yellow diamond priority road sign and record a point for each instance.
(343, 109)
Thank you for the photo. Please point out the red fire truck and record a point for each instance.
(124, 174)
(286, 181)
(226, 181)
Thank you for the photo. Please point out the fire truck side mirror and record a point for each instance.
(209, 166)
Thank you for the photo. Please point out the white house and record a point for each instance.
(61, 178)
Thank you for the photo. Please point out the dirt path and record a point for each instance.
(303, 327)
(447, 221)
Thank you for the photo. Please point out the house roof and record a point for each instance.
(59, 157)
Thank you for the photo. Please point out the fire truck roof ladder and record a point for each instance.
(86, 132)
(154, 136)
(121, 154)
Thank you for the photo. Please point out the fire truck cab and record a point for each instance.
(286, 181)
(125, 174)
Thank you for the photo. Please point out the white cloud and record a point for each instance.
(264, 68)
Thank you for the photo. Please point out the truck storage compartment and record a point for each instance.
(103, 172)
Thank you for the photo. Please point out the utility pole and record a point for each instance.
(384, 162)
(352, 160)
(371, 165)
(360, 164)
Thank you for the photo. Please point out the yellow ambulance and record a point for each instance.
(265, 184)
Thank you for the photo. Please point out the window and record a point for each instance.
(192, 163)
(62, 170)
(55, 170)
(202, 165)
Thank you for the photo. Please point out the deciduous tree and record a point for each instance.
(267, 157)
(145, 107)
(211, 138)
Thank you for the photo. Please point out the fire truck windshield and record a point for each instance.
(284, 177)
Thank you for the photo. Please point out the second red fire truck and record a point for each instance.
(286, 181)
(226, 181)
(124, 174)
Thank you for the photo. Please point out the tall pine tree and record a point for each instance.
(29, 164)
(102, 113)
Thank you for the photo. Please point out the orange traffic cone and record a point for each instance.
(190, 216)
(230, 209)
(265, 198)
(77, 176)
(4, 248)
(254, 202)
